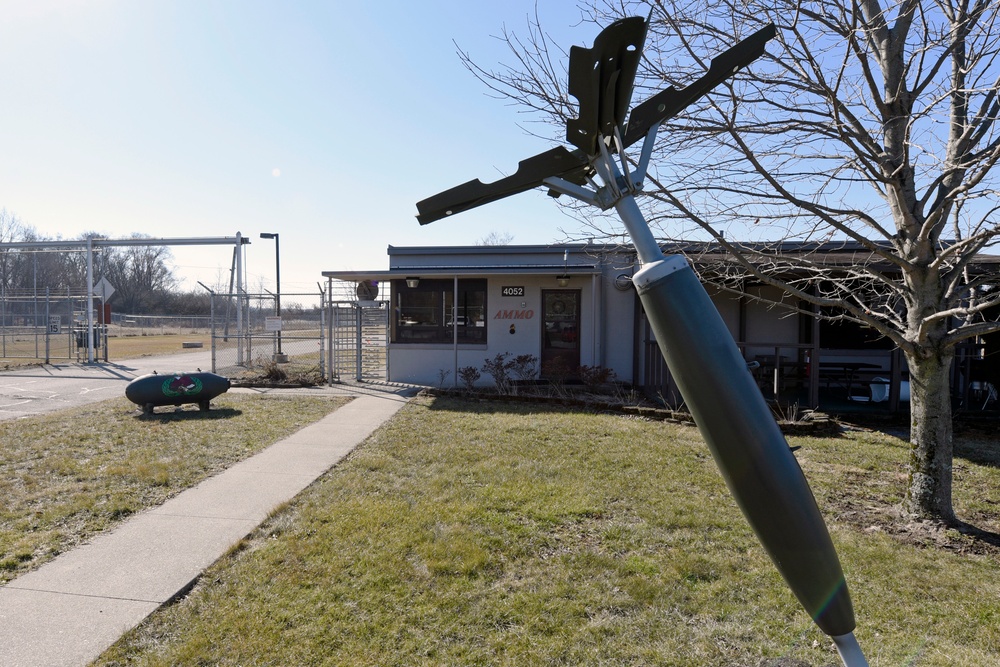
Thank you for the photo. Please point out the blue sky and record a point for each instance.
(323, 121)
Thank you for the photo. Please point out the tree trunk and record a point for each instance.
(931, 447)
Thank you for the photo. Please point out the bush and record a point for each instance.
(469, 375)
(499, 368)
(596, 376)
(524, 367)
(557, 371)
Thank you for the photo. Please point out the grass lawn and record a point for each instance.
(67, 475)
(477, 533)
(130, 347)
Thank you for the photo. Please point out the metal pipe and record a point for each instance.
(850, 651)
(90, 302)
(642, 238)
(239, 301)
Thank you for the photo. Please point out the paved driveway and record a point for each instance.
(36, 390)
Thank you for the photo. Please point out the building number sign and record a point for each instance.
(512, 291)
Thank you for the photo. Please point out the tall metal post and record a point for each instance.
(357, 341)
(331, 325)
(322, 331)
(89, 302)
(48, 324)
(239, 300)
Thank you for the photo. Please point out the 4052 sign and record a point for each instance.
(512, 290)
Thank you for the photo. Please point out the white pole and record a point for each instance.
(850, 651)
(454, 324)
(239, 301)
(90, 301)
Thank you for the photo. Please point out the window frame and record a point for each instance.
(422, 314)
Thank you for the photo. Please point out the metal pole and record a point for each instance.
(357, 342)
(454, 325)
(48, 323)
(34, 298)
(89, 303)
(331, 324)
(277, 286)
(104, 318)
(322, 330)
(239, 302)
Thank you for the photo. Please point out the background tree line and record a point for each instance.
(143, 280)
(141, 275)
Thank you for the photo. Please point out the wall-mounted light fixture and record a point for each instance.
(412, 282)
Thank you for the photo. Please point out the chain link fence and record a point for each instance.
(45, 326)
(250, 340)
(124, 325)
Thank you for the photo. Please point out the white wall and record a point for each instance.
(606, 338)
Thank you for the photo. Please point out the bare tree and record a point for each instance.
(496, 238)
(11, 229)
(868, 123)
(140, 275)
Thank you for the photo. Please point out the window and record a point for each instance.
(422, 314)
(847, 335)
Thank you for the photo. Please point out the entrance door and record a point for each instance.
(560, 333)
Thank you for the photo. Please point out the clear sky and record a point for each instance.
(324, 121)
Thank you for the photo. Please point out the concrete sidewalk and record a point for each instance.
(72, 609)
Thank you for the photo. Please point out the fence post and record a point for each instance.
(322, 322)
(211, 319)
(358, 340)
(48, 324)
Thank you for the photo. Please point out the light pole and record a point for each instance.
(277, 279)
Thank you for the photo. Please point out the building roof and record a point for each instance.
(586, 258)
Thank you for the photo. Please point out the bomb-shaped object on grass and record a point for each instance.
(153, 390)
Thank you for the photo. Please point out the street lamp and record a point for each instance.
(277, 279)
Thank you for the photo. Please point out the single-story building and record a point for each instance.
(572, 305)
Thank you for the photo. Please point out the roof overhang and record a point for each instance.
(463, 272)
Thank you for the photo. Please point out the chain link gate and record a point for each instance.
(359, 341)
(46, 326)
(250, 341)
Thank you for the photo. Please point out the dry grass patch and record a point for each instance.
(478, 533)
(131, 347)
(67, 475)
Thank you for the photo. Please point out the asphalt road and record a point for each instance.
(41, 389)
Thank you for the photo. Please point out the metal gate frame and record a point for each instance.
(358, 340)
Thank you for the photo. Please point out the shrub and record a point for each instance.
(524, 367)
(557, 371)
(595, 376)
(469, 375)
(499, 368)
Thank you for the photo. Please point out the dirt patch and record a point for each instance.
(893, 521)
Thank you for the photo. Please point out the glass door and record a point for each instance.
(560, 333)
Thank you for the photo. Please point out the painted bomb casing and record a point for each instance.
(153, 390)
